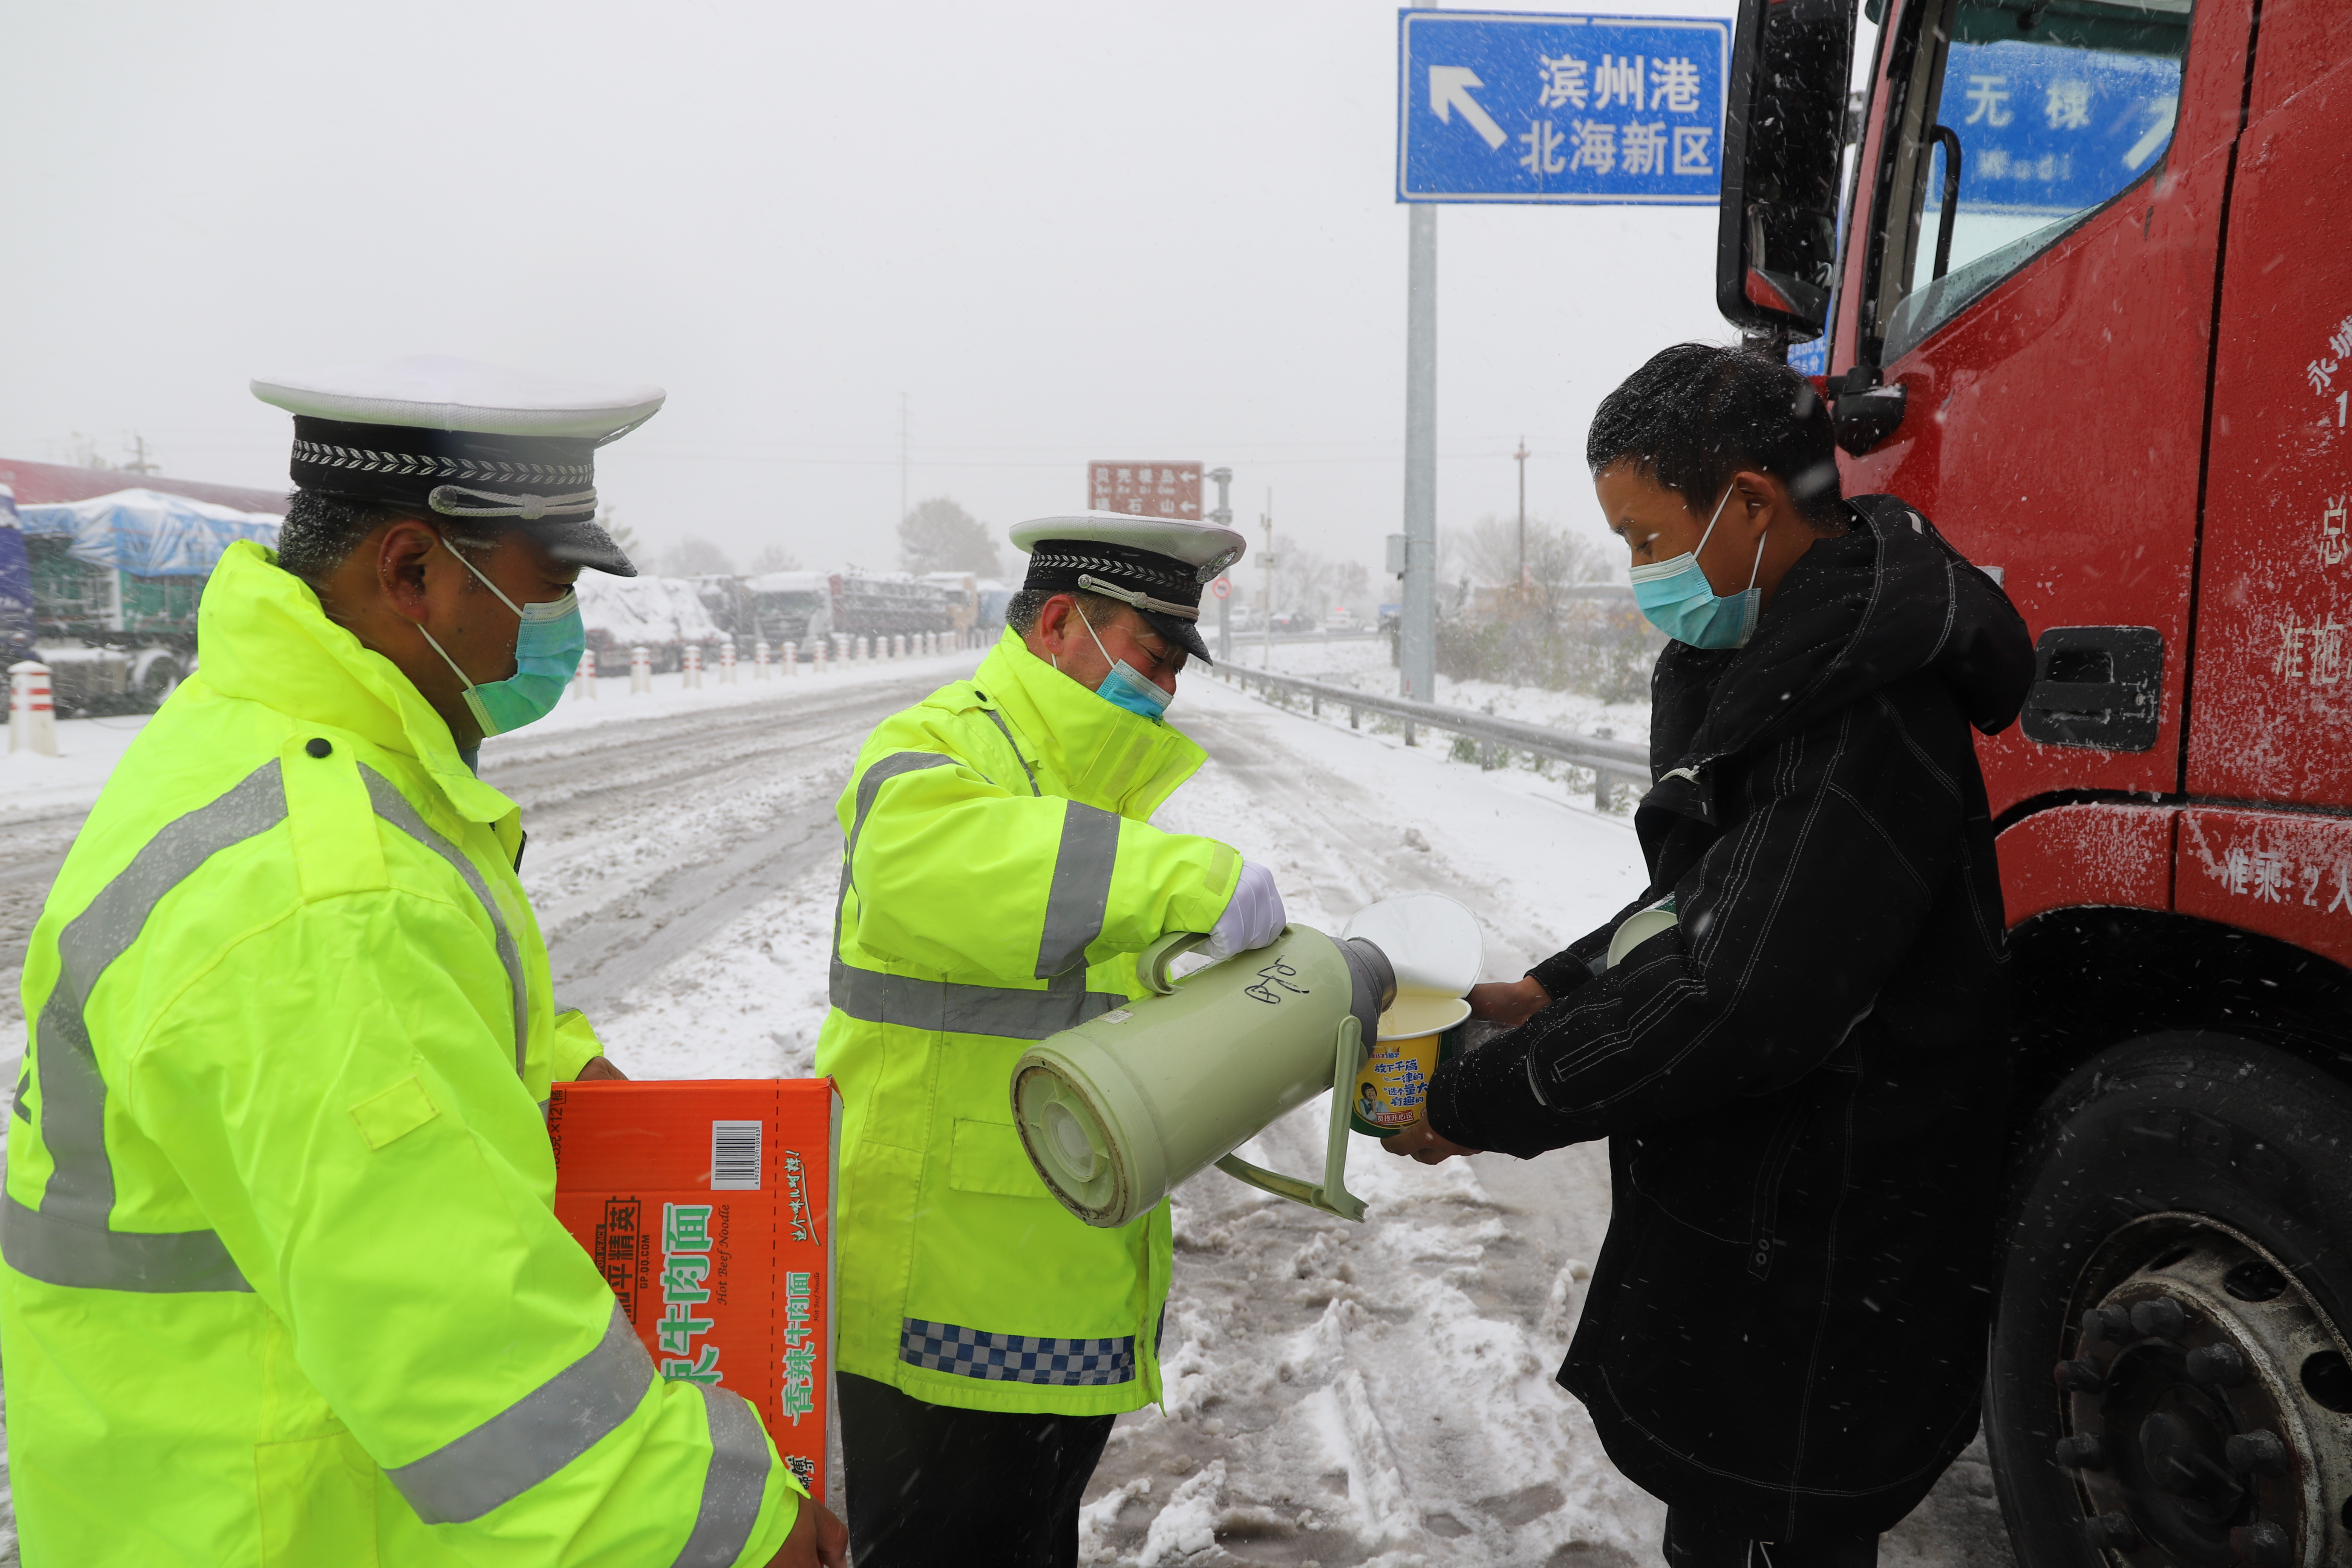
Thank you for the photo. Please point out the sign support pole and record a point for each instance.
(1417, 651)
(1224, 518)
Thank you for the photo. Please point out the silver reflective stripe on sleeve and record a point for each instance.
(1027, 772)
(66, 1252)
(535, 1437)
(871, 996)
(1081, 890)
(732, 1487)
(65, 1240)
(394, 808)
(888, 768)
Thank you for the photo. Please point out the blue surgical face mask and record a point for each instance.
(1680, 602)
(1125, 687)
(547, 651)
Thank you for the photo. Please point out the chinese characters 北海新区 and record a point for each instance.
(1673, 84)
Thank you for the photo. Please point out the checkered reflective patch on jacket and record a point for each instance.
(1015, 1358)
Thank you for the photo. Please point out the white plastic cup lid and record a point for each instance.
(1432, 943)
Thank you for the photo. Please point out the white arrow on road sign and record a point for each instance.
(1449, 89)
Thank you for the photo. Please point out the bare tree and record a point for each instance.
(772, 557)
(1303, 582)
(1488, 552)
(1355, 585)
(939, 536)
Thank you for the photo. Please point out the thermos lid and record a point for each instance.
(1432, 941)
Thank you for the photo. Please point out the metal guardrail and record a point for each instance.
(1612, 761)
(1354, 634)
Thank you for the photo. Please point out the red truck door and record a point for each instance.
(2271, 680)
(2049, 313)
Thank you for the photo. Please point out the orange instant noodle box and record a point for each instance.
(708, 1206)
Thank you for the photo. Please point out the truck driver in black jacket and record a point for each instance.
(1799, 1070)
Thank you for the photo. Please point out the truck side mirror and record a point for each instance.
(1865, 410)
(1784, 129)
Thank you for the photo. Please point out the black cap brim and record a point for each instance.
(581, 542)
(1184, 634)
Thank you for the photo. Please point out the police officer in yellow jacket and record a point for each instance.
(1000, 875)
(283, 1281)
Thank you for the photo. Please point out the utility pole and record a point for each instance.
(138, 463)
(903, 427)
(1224, 518)
(1417, 641)
(1522, 455)
(1267, 518)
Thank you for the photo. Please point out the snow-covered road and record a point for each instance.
(1339, 1394)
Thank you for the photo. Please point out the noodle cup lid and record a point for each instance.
(1432, 943)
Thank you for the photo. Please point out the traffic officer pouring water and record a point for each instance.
(283, 1281)
(1000, 875)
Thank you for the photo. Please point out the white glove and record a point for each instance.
(1253, 919)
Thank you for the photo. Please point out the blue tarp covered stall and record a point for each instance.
(134, 561)
(147, 534)
(16, 587)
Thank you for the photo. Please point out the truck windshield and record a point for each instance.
(2046, 110)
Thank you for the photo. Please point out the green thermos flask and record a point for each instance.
(1116, 1112)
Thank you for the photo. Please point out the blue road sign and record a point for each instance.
(2045, 132)
(1501, 106)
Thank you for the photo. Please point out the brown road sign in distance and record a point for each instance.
(1146, 489)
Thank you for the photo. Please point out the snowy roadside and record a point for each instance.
(35, 786)
(1366, 667)
(31, 785)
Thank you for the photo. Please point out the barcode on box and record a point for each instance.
(735, 1156)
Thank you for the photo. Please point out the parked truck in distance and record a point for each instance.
(804, 607)
(115, 571)
(2074, 279)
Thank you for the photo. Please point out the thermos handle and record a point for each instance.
(1151, 964)
(1332, 1196)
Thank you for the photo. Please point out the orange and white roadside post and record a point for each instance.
(32, 710)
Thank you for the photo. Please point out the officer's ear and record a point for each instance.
(401, 552)
(1054, 626)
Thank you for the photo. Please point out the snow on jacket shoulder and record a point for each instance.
(1801, 1081)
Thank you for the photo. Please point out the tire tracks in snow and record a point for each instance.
(650, 837)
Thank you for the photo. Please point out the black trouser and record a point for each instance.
(1692, 1543)
(977, 1488)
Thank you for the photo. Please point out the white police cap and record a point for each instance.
(464, 440)
(1156, 564)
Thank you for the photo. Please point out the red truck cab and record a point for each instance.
(2080, 275)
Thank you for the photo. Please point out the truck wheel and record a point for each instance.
(157, 674)
(2169, 1382)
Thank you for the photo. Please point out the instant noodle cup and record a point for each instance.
(1394, 1081)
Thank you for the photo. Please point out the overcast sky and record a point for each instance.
(1061, 231)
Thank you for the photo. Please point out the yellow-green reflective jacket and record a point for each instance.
(999, 876)
(283, 1281)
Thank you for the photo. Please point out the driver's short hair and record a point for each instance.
(1697, 413)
